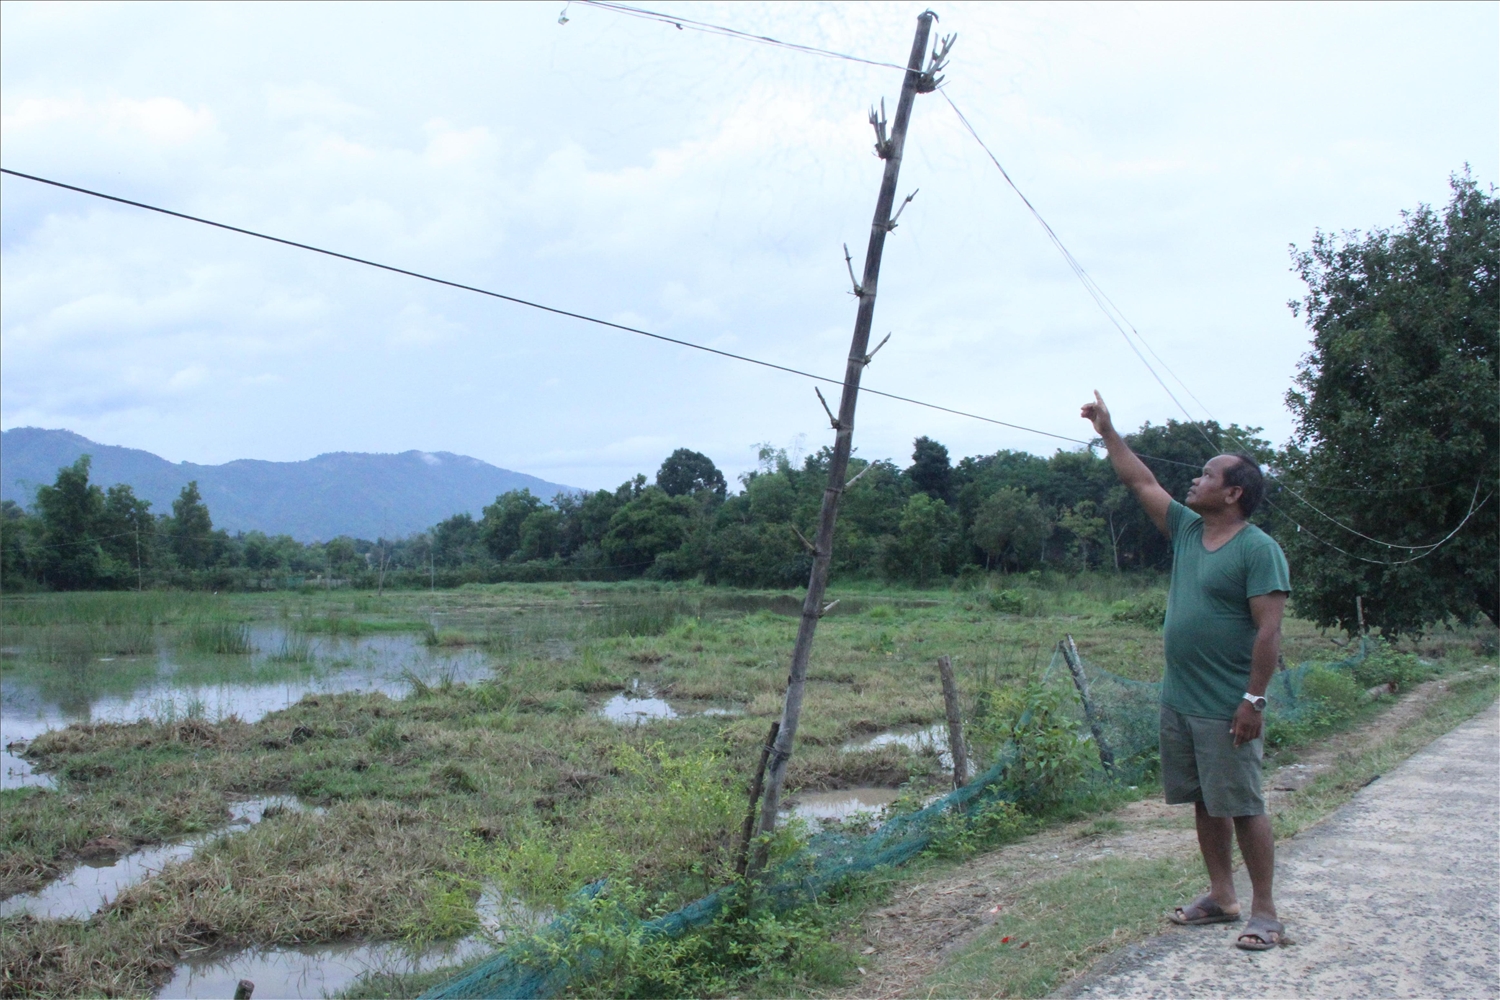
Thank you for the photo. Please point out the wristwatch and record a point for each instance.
(1257, 701)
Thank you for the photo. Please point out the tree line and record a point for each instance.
(1388, 492)
(929, 521)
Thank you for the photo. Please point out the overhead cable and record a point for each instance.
(718, 29)
(1121, 323)
(530, 304)
(1106, 305)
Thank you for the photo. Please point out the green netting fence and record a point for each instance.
(1126, 709)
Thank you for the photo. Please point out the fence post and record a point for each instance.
(955, 723)
(742, 862)
(1075, 667)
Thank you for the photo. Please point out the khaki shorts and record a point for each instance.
(1200, 763)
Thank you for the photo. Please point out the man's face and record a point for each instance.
(1208, 494)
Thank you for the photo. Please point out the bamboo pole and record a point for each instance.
(955, 723)
(756, 786)
(890, 150)
(1075, 667)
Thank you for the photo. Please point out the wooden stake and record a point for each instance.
(746, 834)
(955, 723)
(812, 605)
(1359, 611)
(1075, 667)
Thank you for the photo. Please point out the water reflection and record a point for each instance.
(95, 882)
(323, 970)
(171, 685)
(843, 804)
(932, 738)
(632, 710)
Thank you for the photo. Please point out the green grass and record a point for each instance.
(514, 779)
(1068, 922)
(1062, 925)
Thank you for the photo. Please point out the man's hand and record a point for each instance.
(1247, 723)
(1097, 414)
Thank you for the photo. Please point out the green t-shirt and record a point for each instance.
(1209, 634)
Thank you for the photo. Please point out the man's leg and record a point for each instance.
(1216, 842)
(1258, 848)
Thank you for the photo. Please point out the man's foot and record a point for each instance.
(1204, 910)
(1261, 934)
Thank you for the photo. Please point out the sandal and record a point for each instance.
(1203, 910)
(1261, 934)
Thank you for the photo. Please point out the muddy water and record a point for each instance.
(842, 804)
(308, 972)
(932, 738)
(175, 685)
(631, 710)
(323, 970)
(92, 884)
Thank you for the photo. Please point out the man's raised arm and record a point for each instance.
(1131, 470)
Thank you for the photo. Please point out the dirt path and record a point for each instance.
(1397, 894)
(927, 921)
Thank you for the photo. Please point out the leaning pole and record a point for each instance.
(915, 82)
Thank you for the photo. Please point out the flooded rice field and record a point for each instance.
(174, 684)
(308, 792)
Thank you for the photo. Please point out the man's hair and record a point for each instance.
(1246, 474)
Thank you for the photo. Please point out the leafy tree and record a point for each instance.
(500, 528)
(341, 555)
(1087, 529)
(540, 534)
(190, 530)
(1396, 428)
(685, 473)
(70, 510)
(930, 470)
(456, 541)
(924, 541)
(18, 537)
(651, 524)
(1011, 527)
(128, 531)
(259, 553)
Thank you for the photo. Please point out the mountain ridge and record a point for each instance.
(362, 494)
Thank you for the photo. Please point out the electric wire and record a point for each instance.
(1121, 323)
(718, 29)
(1106, 305)
(533, 305)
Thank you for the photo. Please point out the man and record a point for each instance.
(1223, 639)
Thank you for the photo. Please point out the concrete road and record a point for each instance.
(1397, 894)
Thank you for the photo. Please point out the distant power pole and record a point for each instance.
(889, 149)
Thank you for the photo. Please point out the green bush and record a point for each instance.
(1336, 693)
(986, 825)
(1008, 602)
(1149, 610)
(1384, 665)
(1050, 755)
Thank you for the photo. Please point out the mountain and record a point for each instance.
(340, 493)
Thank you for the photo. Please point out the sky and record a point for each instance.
(696, 186)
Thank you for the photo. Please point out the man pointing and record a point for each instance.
(1223, 638)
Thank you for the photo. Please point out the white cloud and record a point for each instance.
(690, 185)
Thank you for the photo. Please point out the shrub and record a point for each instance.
(1384, 665)
(1008, 602)
(986, 825)
(1049, 755)
(1335, 693)
(1149, 610)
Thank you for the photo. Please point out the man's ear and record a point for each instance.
(1232, 495)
